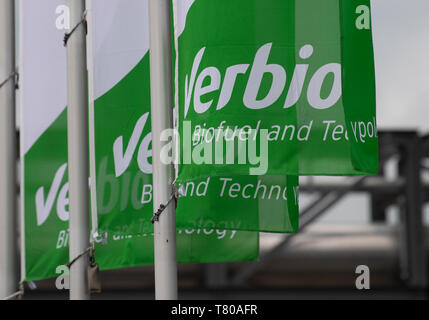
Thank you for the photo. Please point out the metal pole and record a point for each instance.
(77, 127)
(8, 150)
(162, 118)
(412, 217)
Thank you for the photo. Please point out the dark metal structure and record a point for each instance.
(408, 191)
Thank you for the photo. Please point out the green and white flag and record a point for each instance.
(119, 72)
(255, 202)
(122, 127)
(274, 87)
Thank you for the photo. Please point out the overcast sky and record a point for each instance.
(401, 40)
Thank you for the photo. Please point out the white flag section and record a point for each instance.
(113, 53)
(43, 99)
(120, 143)
(120, 38)
(43, 66)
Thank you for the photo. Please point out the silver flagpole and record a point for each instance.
(162, 118)
(8, 151)
(77, 127)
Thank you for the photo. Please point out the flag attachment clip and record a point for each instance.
(162, 207)
(17, 295)
(81, 22)
(94, 283)
(10, 77)
(88, 250)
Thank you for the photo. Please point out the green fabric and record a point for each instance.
(246, 60)
(236, 202)
(122, 213)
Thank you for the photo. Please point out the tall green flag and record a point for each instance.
(123, 142)
(119, 74)
(257, 202)
(279, 87)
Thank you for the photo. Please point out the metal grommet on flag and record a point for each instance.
(83, 22)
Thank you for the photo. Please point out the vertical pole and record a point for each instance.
(412, 215)
(77, 127)
(8, 150)
(162, 118)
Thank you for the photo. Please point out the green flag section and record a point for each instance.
(123, 154)
(120, 89)
(124, 183)
(265, 203)
(359, 58)
(280, 87)
(129, 240)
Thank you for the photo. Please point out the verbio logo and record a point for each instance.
(194, 83)
(222, 146)
(58, 193)
(123, 159)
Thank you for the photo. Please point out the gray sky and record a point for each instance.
(401, 41)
